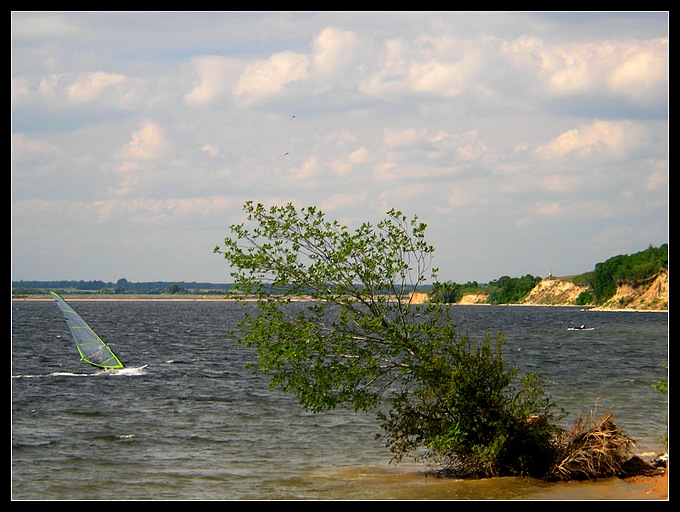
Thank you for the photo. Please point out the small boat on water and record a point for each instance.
(581, 328)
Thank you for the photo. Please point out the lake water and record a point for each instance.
(194, 425)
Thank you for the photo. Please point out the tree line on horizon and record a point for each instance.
(120, 287)
(602, 282)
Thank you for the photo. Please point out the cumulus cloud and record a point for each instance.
(443, 79)
(440, 66)
(89, 87)
(642, 72)
(265, 78)
(306, 172)
(147, 143)
(333, 50)
(613, 138)
(637, 70)
(357, 157)
(211, 150)
(403, 137)
(214, 77)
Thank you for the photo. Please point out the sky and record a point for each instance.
(528, 142)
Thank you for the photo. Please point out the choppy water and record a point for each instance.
(195, 425)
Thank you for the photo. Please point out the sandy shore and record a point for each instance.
(222, 298)
(657, 487)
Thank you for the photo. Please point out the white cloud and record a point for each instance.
(637, 70)
(306, 172)
(441, 66)
(211, 150)
(214, 77)
(403, 137)
(613, 138)
(347, 163)
(333, 50)
(642, 74)
(444, 79)
(360, 156)
(265, 78)
(89, 87)
(147, 143)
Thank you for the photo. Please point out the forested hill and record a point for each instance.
(631, 281)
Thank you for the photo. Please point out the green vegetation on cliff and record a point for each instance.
(633, 269)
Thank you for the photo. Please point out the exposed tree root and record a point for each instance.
(597, 449)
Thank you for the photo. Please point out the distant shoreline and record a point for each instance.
(117, 298)
(211, 298)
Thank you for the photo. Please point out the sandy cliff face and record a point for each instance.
(650, 296)
(419, 297)
(553, 291)
(474, 298)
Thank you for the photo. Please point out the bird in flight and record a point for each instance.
(293, 117)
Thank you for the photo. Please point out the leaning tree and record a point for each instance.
(335, 325)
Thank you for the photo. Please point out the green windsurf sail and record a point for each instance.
(91, 347)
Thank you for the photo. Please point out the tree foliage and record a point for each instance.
(358, 340)
(504, 290)
(511, 290)
(450, 293)
(469, 417)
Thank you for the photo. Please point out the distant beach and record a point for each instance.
(302, 298)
